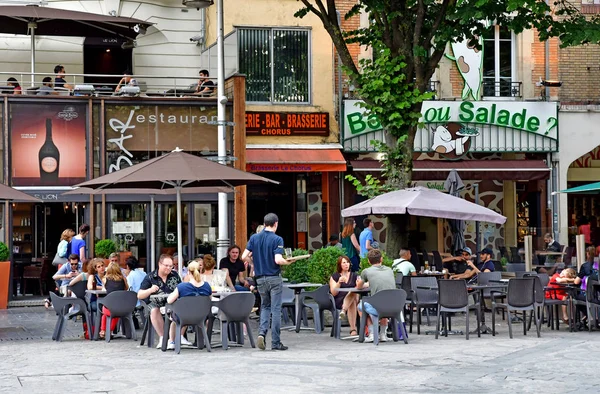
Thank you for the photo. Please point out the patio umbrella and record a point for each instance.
(7, 193)
(45, 21)
(175, 170)
(454, 185)
(421, 201)
(590, 188)
(151, 193)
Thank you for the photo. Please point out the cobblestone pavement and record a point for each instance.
(558, 362)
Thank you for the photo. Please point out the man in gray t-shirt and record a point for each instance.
(377, 278)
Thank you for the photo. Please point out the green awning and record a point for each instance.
(589, 188)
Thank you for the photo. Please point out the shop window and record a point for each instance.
(276, 63)
(498, 63)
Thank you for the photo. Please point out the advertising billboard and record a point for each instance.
(48, 144)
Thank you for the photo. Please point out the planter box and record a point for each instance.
(4, 283)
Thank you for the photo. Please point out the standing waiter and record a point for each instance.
(267, 253)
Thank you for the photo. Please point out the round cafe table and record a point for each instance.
(298, 288)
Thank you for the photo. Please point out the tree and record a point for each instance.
(410, 38)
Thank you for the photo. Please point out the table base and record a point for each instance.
(443, 333)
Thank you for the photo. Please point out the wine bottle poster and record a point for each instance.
(48, 146)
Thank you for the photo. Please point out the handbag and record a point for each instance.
(59, 260)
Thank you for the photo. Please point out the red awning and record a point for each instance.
(294, 160)
(502, 170)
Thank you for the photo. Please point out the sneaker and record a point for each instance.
(281, 346)
(159, 346)
(342, 315)
(369, 339)
(261, 342)
(185, 342)
(383, 337)
(171, 345)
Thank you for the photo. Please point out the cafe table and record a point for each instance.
(98, 315)
(298, 288)
(361, 293)
(502, 284)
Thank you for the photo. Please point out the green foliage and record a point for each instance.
(503, 261)
(296, 272)
(323, 263)
(372, 186)
(4, 253)
(364, 262)
(104, 248)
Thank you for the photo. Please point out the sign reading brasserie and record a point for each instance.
(287, 123)
(452, 128)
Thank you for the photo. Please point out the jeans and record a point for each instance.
(241, 288)
(270, 288)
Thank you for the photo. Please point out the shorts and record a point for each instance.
(368, 309)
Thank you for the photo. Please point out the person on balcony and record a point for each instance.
(46, 89)
(15, 84)
(59, 80)
(127, 80)
(205, 87)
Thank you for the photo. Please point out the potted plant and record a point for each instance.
(104, 248)
(4, 275)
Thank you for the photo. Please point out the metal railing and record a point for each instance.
(105, 84)
(502, 88)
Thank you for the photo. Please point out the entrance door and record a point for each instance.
(105, 56)
(50, 221)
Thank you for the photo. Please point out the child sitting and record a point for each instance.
(558, 293)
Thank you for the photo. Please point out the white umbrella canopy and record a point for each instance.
(421, 201)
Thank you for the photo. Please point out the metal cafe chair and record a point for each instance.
(453, 297)
(520, 297)
(388, 304)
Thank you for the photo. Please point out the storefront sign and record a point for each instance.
(48, 144)
(128, 228)
(287, 167)
(287, 124)
(453, 128)
(135, 132)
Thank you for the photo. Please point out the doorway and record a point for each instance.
(50, 220)
(105, 56)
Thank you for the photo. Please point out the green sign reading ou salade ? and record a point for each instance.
(533, 117)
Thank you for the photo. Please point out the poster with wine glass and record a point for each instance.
(48, 143)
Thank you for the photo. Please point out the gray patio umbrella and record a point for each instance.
(454, 185)
(7, 193)
(151, 193)
(421, 201)
(175, 170)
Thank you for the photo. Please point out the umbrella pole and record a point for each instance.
(31, 27)
(477, 236)
(179, 231)
(152, 235)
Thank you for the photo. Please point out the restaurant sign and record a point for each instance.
(287, 123)
(453, 128)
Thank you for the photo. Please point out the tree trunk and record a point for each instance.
(397, 226)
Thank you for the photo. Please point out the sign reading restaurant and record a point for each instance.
(452, 128)
(287, 123)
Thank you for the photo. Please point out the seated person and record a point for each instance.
(347, 302)
(83, 276)
(235, 267)
(566, 276)
(588, 271)
(46, 88)
(135, 275)
(113, 281)
(377, 277)
(59, 80)
(127, 80)
(334, 240)
(205, 86)
(94, 281)
(403, 264)
(549, 261)
(15, 84)
(162, 280)
(193, 288)
(67, 272)
(485, 265)
(458, 264)
(218, 280)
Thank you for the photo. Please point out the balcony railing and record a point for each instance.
(106, 84)
(502, 88)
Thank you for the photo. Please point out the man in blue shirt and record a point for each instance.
(366, 238)
(135, 276)
(486, 264)
(67, 272)
(78, 242)
(267, 253)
